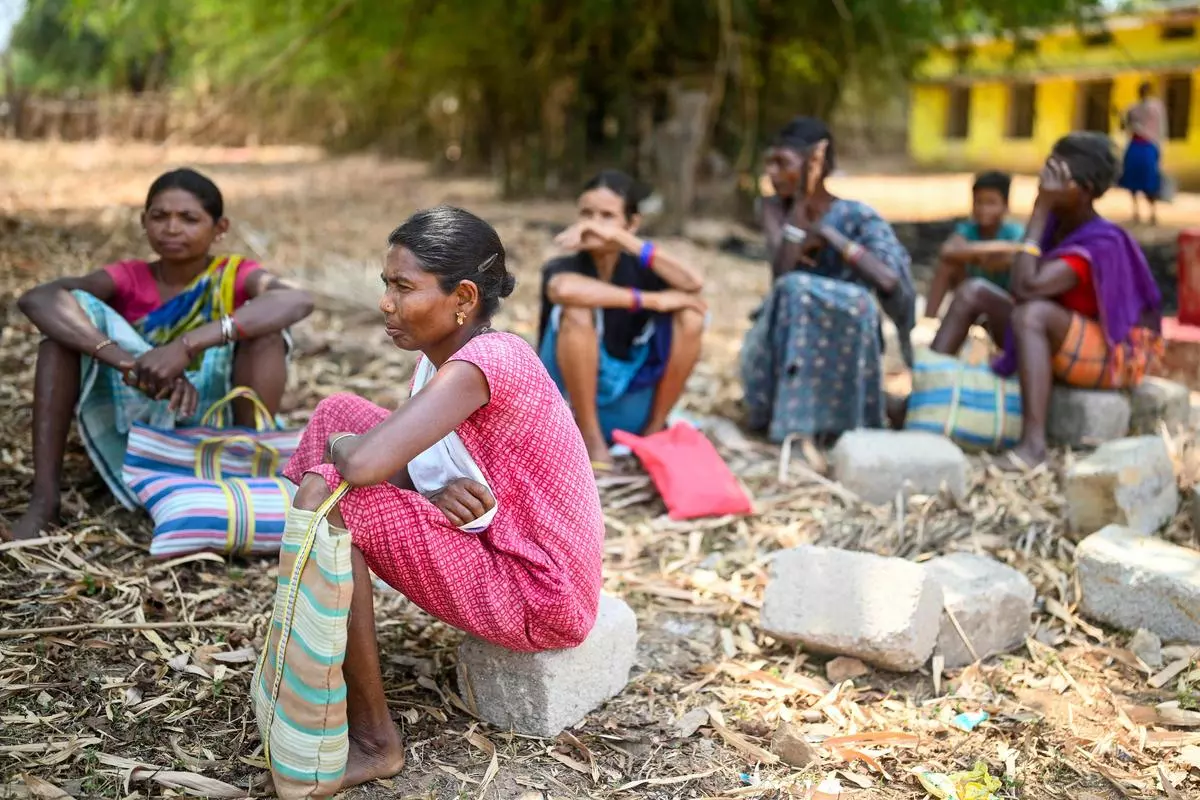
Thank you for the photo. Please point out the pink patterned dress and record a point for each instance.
(532, 580)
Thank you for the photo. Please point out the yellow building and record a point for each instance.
(1001, 102)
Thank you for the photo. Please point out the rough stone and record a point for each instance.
(1129, 482)
(1086, 418)
(883, 611)
(792, 748)
(541, 694)
(1148, 647)
(1133, 581)
(1194, 503)
(844, 668)
(1158, 400)
(876, 464)
(992, 602)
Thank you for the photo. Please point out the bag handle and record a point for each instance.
(263, 421)
(208, 456)
(289, 605)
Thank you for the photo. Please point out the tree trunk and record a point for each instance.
(678, 146)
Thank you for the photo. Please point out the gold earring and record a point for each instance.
(461, 316)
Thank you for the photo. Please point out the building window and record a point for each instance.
(1022, 98)
(1093, 110)
(1181, 31)
(958, 112)
(1177, 97)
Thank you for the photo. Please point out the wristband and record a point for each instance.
(637, 300)
(337, 439)
(106, 343)
(1032, 249)
(647, 256)
(853, 252)
(793, 234)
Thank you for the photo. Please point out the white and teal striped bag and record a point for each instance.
(298, 690)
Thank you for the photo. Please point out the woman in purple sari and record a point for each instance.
(1084, 308)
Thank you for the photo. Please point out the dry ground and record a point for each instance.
(117, 713)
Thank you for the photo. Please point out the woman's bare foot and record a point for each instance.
(1022, 458)
(371, 759)
(40, 514)
(654, 426)
(598, 454)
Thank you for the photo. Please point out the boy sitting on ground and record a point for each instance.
(980, 247)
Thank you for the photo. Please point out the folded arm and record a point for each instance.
(274, 305)
(1042, 281)
(57, 314)
(958, 251)
(455, 393)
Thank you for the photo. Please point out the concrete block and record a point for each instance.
(1132, 581)
(884, 611)
(1086, 418)
(1127, 482)
(1158, 400)
(875, 464)
(991, 601)
(541, 694)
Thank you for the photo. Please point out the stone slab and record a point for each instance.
(992, 602)
(1132, 581)
(1158, 400)
(1086, 418)
(884, 611)
(542, 694)
(876, 464)
(1128, 482)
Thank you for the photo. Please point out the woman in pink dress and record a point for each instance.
(527, 576)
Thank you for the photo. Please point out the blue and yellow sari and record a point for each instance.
(108, 407)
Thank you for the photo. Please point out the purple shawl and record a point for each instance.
(1125, 287)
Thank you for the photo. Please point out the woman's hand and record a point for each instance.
(1054, 182)
(588, 235)
(156, 372)
(670, 301)
(463, 501)
(184, 399)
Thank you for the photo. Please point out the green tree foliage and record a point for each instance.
(541, 89)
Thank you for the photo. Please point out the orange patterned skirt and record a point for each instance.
(1085, 360)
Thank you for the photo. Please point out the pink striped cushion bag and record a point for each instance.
(213, 489)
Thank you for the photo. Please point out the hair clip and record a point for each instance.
(487, 262)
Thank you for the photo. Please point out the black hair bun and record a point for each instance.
(507, 284)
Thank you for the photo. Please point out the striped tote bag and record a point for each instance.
(210, 488)
(968, 403)
(298, 690)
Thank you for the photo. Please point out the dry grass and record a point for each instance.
(129, 711)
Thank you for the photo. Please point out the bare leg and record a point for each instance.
(260, 364)
(1040, 326)
(55, 393)
(687, 328)
(578, 356)
(1153, 210)
(376, 749)
(946, 278)
(973, 299)
(1137, 214)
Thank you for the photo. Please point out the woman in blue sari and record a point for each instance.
(811, 364)
(157, 342)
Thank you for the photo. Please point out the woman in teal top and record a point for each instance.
(980, 247)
